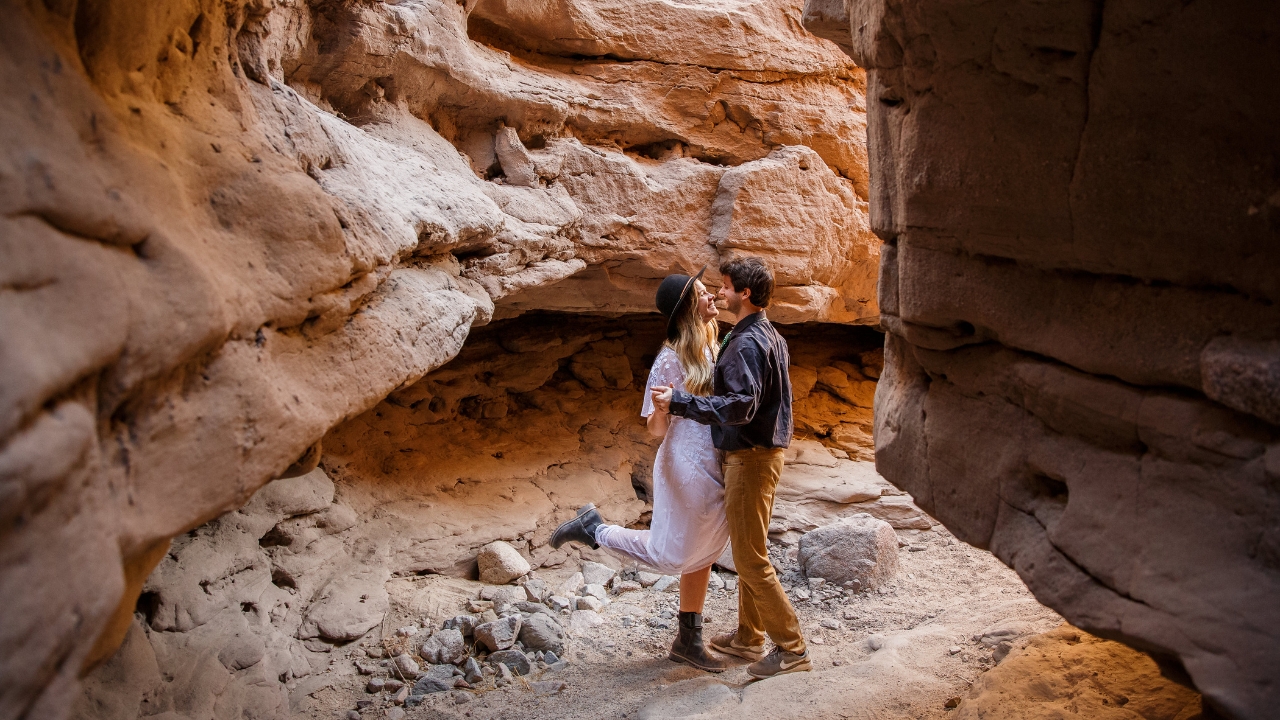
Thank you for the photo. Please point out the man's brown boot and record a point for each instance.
(688, 646)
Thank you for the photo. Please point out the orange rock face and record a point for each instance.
(229, 227)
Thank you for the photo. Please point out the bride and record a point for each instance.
(688, 531)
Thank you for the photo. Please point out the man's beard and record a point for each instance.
(733, 305)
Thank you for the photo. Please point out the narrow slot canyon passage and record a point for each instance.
(321, 580)
(318, 318)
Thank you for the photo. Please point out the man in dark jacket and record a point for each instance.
(750, 418)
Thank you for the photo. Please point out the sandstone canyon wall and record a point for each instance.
(230, 226)
(1081, 208)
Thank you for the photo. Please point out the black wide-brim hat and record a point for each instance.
(672, 294)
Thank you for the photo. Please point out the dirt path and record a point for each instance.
(898, 654)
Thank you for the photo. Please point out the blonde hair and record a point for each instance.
(694, 338)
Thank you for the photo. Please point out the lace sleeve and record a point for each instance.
(665, 371)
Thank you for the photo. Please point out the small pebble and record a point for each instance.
(831, 623)
(353, 715)
(955, 650)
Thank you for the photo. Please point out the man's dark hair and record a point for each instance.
(750, 273)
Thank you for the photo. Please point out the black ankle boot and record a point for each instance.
(688, 647)
(580, 529)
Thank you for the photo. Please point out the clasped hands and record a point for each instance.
(661, 395)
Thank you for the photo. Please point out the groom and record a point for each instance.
(750, 419)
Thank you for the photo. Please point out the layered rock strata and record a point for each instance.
(1080, 280)
(229, 226)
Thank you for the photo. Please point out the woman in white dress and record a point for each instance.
(689, 530)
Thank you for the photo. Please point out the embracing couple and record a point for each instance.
(723, 410)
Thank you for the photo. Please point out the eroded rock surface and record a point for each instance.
(229, 226)
(1080, 283)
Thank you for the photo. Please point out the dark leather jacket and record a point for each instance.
(751, 407)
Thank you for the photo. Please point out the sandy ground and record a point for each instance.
(900, 653)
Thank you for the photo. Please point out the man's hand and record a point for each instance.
(661, 397)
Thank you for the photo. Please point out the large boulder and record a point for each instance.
(859, 548)
(500, 563)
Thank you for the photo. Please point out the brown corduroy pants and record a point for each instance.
(750, 478)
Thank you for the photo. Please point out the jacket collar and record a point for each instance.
(748, 321)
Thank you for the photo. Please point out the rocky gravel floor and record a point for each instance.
(904, 650)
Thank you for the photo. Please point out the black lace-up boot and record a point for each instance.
(688, 647)
(580, 529)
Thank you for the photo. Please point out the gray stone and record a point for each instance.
(582, 621)
(570, 587)
(647, 579)
(858, 548)
(471, 671)
(666, 582)
(590, 602)
(657, 622)
(504, 676)
(830, 623)
(407, 665)
(517, 661)
(499, 634)
(536, 590)
(526, 606)
(396, 714)
(400, 696)
(353, 715)
(465, 624)
(446, 646)
(542, 632)
(558, 603)
(550, 658)
(438, 678)
(595, 590)
(594, 573)
(375, 685)
(625, 586)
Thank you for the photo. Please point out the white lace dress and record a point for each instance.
(689, 530)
